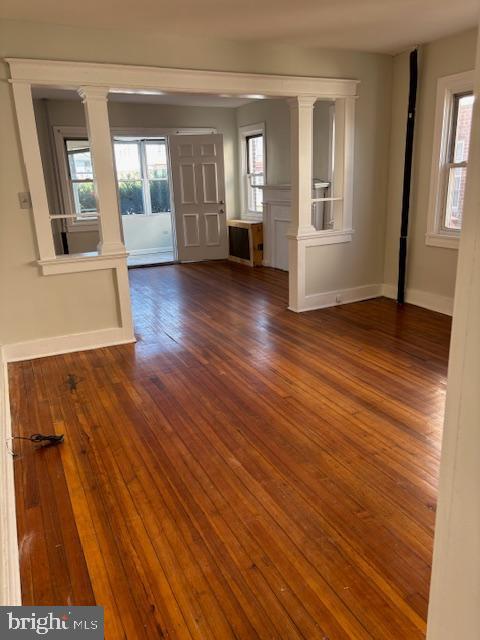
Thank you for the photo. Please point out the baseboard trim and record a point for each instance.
(66, 344)
(10, 592)
(331, 298)
(425, 299)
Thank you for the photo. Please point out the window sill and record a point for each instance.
(77, 262)
(74, 225)
(447, 241)
(82, 227)
(145, 215)
(254, 217)
(318, 238)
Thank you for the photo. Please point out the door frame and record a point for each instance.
(202, 226)
(164, 132)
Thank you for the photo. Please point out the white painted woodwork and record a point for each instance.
(93, 262)
(454, 610)
(301, 146)
(301, 231)
(447, 87)
(10, 590)
(277, 202)
(27, 128)
(55, 345)
(343, 163)
(301, 149)
(71, 75)
(94, 79)
(243, 132)
(199, 196)
(425, 299)
(277, 215)
(101, 148)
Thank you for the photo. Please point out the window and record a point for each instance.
(142, 172)
(453, 124)
(142, 179)
(252, 166)
(457, 162)
(80, 173)
(254, 150)
(129, 177)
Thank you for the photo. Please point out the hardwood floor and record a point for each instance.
(242, 471)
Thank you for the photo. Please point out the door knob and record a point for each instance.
(221, 211)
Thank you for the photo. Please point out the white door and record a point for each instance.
(199, 196)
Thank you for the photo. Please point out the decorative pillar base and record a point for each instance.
(296, 274)
(111, 248)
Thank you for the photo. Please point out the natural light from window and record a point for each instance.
(255, 172)
(457, 161)
(142, 173)
(81, 177)
(142, 177)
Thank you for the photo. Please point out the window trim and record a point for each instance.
(447, 88)
(245, 132)
(249, 174)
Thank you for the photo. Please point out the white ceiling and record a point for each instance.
(178, 99)
(386, 26)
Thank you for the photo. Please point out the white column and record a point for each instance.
(343, 163)
(454, 610)
(32, 159)
(98, 127)
(301, 153)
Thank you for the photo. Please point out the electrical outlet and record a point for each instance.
(25, 200)
(338, 298)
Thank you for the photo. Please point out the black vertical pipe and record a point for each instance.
(407, 176)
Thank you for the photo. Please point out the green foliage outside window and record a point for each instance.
(131, 196)
(159, 195)
(85, 197)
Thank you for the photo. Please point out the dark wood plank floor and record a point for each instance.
(242, 471)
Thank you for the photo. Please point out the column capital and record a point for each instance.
(90, 93)
(298, 102)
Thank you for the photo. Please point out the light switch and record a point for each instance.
(25, 200)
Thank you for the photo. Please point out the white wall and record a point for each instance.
(40, 306)
(430, 270)
(276, 116)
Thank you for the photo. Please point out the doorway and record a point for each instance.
(145, 199)
(199, 195)
(171, 193)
